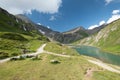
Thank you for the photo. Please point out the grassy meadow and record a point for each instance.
(12, 44)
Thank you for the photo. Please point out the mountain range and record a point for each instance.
(105, 36)
(16, 35)
(64, 37)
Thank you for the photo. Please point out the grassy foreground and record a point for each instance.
(73, 68)
(67, 69)
(105, 75)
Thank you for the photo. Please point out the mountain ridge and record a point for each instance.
(17, 35)
(107, 38)
(64, 37)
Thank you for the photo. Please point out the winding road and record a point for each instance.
(104, 66)
(40, 50)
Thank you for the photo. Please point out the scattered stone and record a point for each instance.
(54, 61)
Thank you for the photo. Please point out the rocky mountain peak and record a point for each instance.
(75, 30)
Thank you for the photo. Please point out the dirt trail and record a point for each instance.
(88, 74)
(57, 54)
(105, 66)
(40, 50)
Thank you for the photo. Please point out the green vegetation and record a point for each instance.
(12, 44)
(60, 49)
(12, 36)
(73, 68)
(107, 39)
(83, 33)
(105, 75)
(111, 43)
(67, 69)
(14, 39)
(17, 36)
(9, 24)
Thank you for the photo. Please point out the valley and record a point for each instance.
(73, 67)
(29, 51)
(107, 39)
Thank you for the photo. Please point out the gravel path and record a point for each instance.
(40, 50)
(105, 66)
(57, 54)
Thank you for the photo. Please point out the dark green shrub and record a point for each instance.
(13, 36)
(14, 54)
(3, 55)
(14, 59)
(22, 58)
(29, 56)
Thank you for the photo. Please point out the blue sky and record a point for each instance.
(63, 15)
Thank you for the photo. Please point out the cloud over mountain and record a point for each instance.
(115, 16)
(94, 26)
(26, 6)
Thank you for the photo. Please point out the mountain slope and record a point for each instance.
(108, 38)
(65, 37)
(16, 35)
(10, 23)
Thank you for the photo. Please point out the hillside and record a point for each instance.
(107, 39)
(17, 35)
(75, 67)
(64, 37)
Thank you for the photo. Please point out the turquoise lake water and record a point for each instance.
(99, 54)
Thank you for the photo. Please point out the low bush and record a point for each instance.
(14, 59)
(3, 55)
(13, 36)
(22, 58)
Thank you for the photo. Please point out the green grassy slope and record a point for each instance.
(108, 38)
(60, 49)
(9, 24)
(16, 35)
(73, 68)
(13, 38)
(105, 75)
(12, 45)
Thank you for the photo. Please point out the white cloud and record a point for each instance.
(39, 23)
(115, 16)
(108, 1)
(101, 22)
(52, 18)
(26, 6)
(48, 27)
(116, 12)
(93, 26)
